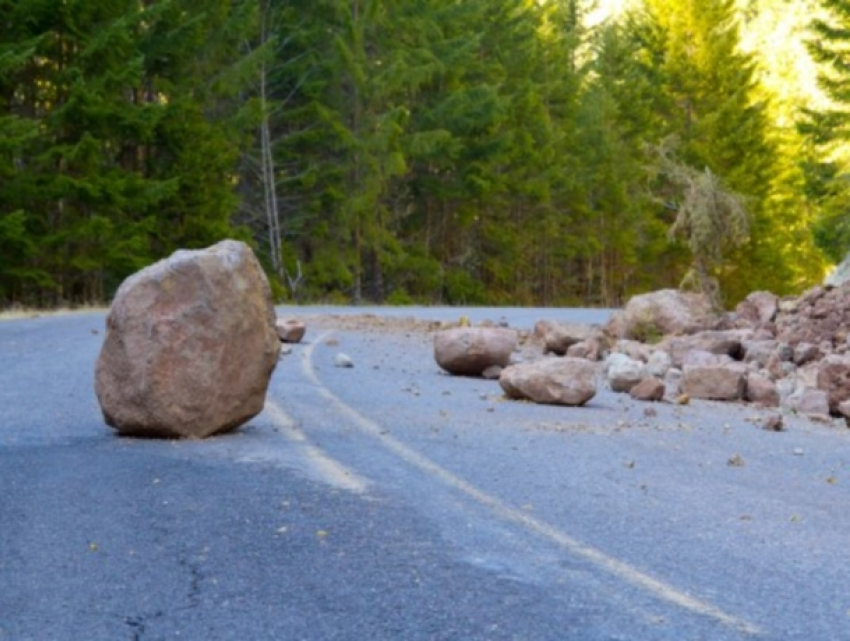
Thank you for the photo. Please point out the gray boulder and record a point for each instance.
(623, 373)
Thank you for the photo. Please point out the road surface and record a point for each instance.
(391, 501)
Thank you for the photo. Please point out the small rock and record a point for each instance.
(683, 399)
(343, 360)
(736, 460)
(798, 451)
(285, 350)
(649, 389)
(623, 373)
(290, 330)
(492, 373)
(773, 423)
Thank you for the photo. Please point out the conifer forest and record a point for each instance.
(502, 152)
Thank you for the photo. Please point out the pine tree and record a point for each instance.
(828, 130)
(707, 100)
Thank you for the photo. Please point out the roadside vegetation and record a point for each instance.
(441, 152)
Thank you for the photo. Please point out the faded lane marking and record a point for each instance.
(613, 566)
(326, 468)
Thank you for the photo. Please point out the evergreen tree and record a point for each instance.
(707, 101)
(828, 129)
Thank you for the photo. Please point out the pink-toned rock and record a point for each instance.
(806, 353)
(728, 342)
(492, 373)
(589, 349)
(758, 351)
(758, 308)
(555, 381)
(834, 378)
(814, 403)
(290, 330)
(709, 376)
(559, 337)
(649, 389)
(468, 351)
(761, 390)
(633, 349)
(668, 311)
(190, 345)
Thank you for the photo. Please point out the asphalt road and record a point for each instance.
(390, 501)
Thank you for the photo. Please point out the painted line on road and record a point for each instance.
(620, 569)
(328, 469)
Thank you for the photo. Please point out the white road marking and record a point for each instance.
(620, 569)
(331, 471)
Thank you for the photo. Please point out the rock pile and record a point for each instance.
(792, 352)
(668, 345)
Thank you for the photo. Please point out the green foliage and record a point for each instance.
(828, 129)
(434, 151)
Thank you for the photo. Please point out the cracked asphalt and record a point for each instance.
(389, 501)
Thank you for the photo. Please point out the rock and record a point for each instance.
(820, 317)
(592, 348)
(844, 409)
(773, 423)
(190, 345)
(557, 381)
(658, 364)
(761, 390)
(290, 330)
(709, 376)
(492, 373)
(649, 389)
(468, 351)
(558, 337)
(633, 349)
(343, 360)
(814, 403)
(622, 372)
(648, 317)
(672, 384)
(728, 342)
(806, 353)
(759, 308)
(833, 377)
(758, 351)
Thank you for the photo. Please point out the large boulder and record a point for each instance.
(714, 377)
(556, 381)
(468, 351)
(190, 345)
(648, 317)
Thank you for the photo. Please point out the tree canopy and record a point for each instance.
(485, 151)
